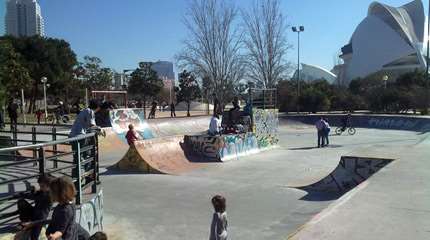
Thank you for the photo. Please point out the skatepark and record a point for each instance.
(371, 185)
(270, 195)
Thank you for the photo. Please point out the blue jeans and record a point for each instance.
(325, 138)
(321, 136)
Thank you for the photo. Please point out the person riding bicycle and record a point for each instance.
(59, 111)
(346, 121)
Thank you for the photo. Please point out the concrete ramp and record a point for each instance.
(111, 146)
(350, 172)
(159, 155)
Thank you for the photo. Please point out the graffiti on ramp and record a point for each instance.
(121, 118)
(350, 172)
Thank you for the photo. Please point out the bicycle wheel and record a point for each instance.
(65, 119)
(338, 131)
(351, 131)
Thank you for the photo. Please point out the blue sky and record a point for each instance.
(124, 32)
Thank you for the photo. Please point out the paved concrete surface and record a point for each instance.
(259, 203)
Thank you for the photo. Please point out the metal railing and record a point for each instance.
(75, 157)
(263, 98)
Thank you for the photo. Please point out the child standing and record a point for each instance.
(63, 225)
(219, 219)
(32, 218)
(38, 115)
(131, 136)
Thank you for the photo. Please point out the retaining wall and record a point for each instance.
(409, 123)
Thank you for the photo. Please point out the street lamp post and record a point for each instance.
(298, 30)
(385, 79)
(44, 80)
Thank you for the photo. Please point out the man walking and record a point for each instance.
(172, 110)
(12, 110)
(320, 125)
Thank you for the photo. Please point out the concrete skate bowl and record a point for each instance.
(395, 122)
(349, 173)
(166, 155)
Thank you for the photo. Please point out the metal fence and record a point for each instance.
(21, 165)
(263, 98)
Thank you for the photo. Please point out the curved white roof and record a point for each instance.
(312, 72)
(407, 20)
(388, 36)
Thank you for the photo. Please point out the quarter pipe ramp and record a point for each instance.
(350, 172)
(158, 155)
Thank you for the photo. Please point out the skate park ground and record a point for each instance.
(392, 204)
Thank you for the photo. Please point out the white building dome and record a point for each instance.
(389, 38)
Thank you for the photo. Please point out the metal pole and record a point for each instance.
(427, 61)
(86, 97)
(44, 97)
(23, 105)
(298, 70)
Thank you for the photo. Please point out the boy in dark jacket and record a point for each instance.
(35, 215)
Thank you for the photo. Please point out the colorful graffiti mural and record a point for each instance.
(224, 147)
(90, 214)
(121, 118)
(350, 172)
(266, 126)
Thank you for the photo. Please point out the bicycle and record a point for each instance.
(57, 118)
(340, 130)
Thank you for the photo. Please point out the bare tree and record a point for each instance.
(266, 43)
(212, 50)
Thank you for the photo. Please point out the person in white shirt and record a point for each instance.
(215, 125)
(326, 131)
(218, 230)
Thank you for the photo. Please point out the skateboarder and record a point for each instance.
(131, 136)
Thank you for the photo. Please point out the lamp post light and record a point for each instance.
(44, 80)
(298, 30)
(385, 79)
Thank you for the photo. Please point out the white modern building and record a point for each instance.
(389, 39)
(309, 73)
(23, 18)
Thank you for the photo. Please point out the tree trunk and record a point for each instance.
(33, 98)
(188, 109)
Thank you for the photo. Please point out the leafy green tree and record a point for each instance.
(313, 99)
(188, 89)
(45, 57)
(96, 76)
(287, 95)
(13, 75)
(145, 83)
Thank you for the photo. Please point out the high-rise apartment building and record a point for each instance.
(23, 18)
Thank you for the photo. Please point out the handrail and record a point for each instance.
(39, 145)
